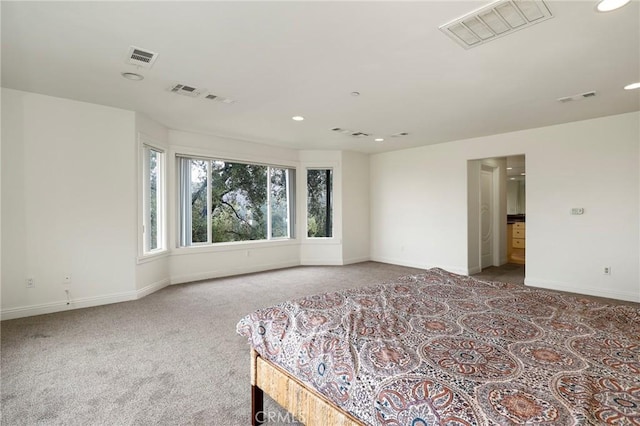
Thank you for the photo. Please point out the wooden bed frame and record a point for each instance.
(305, 404)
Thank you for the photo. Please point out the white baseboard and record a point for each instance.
(474, 270)
(152, 288)
(208, 275)
(355, 260)
(59, 306)
(83, 302)
(400, 262)
(321, 262)
(591, 291)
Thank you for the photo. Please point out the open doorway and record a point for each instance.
(516, 209)
(496, 214)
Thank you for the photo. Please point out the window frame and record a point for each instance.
(291, 204)
(146, 145)
(331, 203)
(184, 230)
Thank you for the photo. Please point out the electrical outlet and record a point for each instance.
(607, 270)
(31, 283)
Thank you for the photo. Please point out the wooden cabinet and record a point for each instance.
(517, 241)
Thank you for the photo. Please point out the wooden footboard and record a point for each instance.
(305, 404)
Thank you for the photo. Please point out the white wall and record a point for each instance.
(419, 204)
(68, 203)
(355, 207)
(419, 208)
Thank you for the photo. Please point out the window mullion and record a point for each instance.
(286, 191)
(328, 207)
(145, 200)
(160, 203)
(269, 225)
(209, 203)
(185, 203)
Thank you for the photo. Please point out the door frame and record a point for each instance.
(497, 165)
(495, 214)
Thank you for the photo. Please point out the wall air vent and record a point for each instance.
(183, 89)
(141, 57)
(578, 97)
(495, 20)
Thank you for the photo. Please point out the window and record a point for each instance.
(319, 203)
(223, 201)
(153, 199)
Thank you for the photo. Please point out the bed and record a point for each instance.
(444, 349)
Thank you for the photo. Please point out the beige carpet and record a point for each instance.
(171, 358)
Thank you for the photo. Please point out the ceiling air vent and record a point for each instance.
(183, 89)
(350, 132)
(578, 97)
(495, 20)
(141, 57)
(217, 98)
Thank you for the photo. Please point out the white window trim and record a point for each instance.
(180, 153)
(333, 239)
(144, 142)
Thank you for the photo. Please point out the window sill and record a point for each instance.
(152, 257)
(234, 246)
(322, 241)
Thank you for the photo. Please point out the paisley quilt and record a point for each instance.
(444, 349)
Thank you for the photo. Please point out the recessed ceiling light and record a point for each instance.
(379, 139)
(355, 93)
(609, 5)
(632, 86)
(509, 168)
(297, 118)
(522, 174)
(132, 76)
(512, 178)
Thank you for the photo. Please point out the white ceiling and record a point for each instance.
(279, 59)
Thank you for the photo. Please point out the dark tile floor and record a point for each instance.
(509, 272)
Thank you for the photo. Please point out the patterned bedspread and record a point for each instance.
(444, 349)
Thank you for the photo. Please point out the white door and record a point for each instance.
(486, 218)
